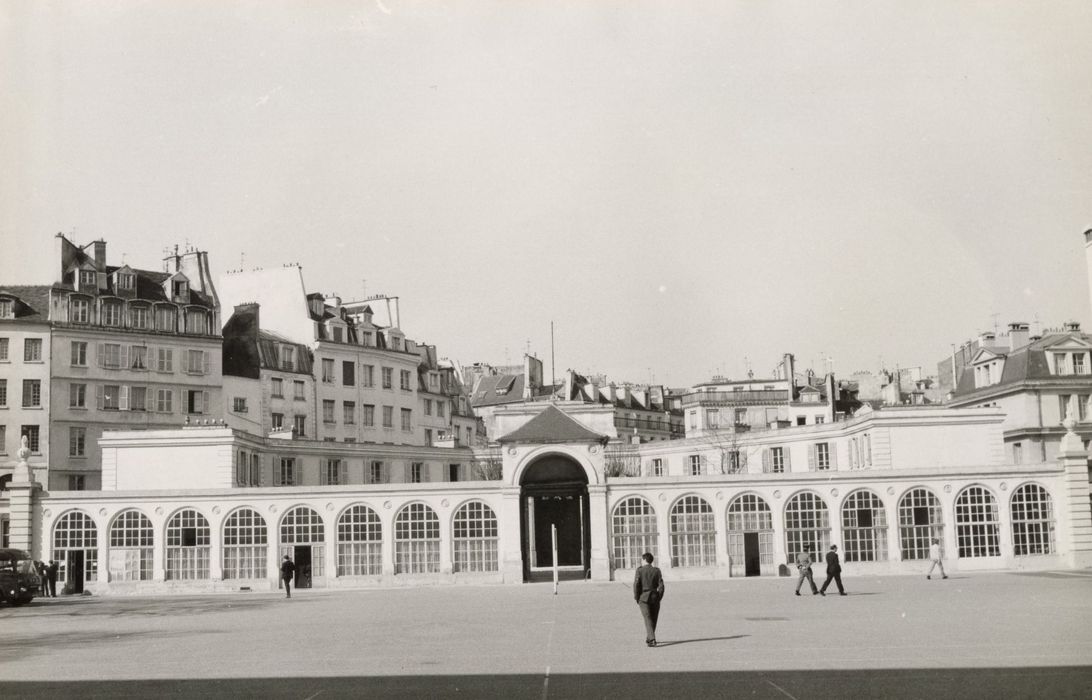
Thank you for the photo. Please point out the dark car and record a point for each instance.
(19, 581)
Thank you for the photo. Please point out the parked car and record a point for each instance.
(19, 582)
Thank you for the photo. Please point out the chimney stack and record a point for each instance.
(1018, 335)
(100, 255)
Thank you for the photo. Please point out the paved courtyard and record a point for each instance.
(974, 635)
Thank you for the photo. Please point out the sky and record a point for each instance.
(682, 189)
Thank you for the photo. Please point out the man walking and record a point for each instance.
(288, 572)
(648, 591)
(834, 571)
(803, 564)
(935, 556)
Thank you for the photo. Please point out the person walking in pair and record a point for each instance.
(936, 557)
(803, 565)
(834, 571)
(648, 591)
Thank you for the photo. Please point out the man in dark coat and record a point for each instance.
(288, 572)
(834, 571)
(648, 591)
(51, 575)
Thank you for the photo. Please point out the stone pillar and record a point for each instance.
(386, 516)
(508, 529)
(663, 527)
(329, 529)
(446, 543)
(1073, 510)
(894, 544)
(216, 545)
(22, 492)
(600, 532)
(720, 528)
(777, 517)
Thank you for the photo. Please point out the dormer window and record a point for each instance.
(7, 308)
(366, 338)
(79, 311)
(126, 281)
(339, 334)
(1060, 364)
(111, 313)
(180, 288)
(165, 319)
(139, 317)
(1080, 364)
(288, 358)
(197, 322)
(87, 278)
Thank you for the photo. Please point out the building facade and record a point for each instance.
(210, 508)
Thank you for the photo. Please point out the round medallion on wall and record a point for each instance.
(47, 512)
(272, 507)
(512, 451)
(594, 449)
(890, 490)
(445, 503)
(777, 494)
(216, 510)
(1004, 486)
(663, 497)
(330, 507)
(159, 510)
(947, 488)
(102, 511)
(720, 495)
(834, 493)
(387, 505)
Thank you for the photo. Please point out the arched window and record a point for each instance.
(921, 520)
(749, 514)
(131, 538)
(76, 547)
(416, 540)
(197, 322)
(977, 525)
(1032, 521)
(188, 546)
(633, 532)
(359, 543)
(807, 525)
(245, 545)
(693, 533)
(475, 538)
(864, 527)
(301, 527)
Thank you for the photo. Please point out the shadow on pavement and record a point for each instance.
(1051, 682)
(707, 639)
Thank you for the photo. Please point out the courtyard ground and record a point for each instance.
(973, 635)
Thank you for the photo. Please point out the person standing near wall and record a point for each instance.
(648, 591)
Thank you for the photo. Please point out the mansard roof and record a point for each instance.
(32, 301)
(1026, 364)
(498, 389)
(553, 425)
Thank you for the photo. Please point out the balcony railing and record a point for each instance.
(748, 398)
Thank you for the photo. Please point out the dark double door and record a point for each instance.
(752, 558)
(566, 508)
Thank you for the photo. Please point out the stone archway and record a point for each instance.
(554, 493)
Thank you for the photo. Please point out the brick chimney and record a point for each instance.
(100, 255)
(1018, 335)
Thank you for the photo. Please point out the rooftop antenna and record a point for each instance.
(364, 286)
(553, 358)
(242, 258)
(994, 317)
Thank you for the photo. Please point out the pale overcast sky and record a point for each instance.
(677, 185)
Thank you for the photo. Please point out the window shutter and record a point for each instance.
(98, 395)
(204, 402)
(240, 467)
(766, 465)
(407, 470)
(385, 472)
(812, 457)
(123, 353)
(343, 473)
(100, 355)
(832, 452)
(123, 401)
(276, 473)
(324, 466)
(261, 472)
(204, 362)
(742, 460)
(424, 471)
(787, 458)
(149, 399)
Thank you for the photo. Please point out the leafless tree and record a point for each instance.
(488, 468)
(621, 459)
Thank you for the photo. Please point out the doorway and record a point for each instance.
(752, 560)
(301, 555)
(73, 571)
(554, 494)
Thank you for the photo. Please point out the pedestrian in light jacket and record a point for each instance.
(803, 565)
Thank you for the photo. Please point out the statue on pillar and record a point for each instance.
(22, 469)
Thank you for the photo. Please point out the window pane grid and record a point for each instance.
(864, 527)
(416, 540)
(188, 546)
(921, 520)
(977, 523)
(750, 513)
(359, 543)
(807, 525)
(245, 549)
(475, 539)
(634, 531)
(1032, 521)
(693, 533)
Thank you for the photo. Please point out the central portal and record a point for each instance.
(554, 493)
